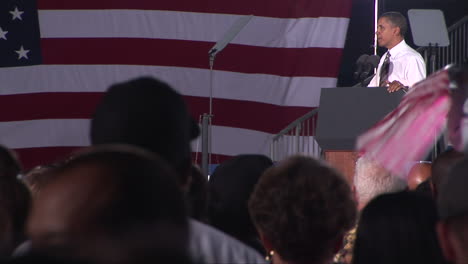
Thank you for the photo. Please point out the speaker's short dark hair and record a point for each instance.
(398, 20)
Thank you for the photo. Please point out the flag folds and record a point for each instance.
(269, 75)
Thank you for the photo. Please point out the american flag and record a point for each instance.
(269, 75)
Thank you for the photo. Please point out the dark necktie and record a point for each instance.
(384, 70)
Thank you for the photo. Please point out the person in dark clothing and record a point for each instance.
(230, 187)
(398, 228)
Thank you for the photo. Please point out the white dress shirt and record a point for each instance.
(406, 66)
(210, 246)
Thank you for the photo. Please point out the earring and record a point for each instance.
(269, 257)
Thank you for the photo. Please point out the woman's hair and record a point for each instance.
(197, 195)
(303, 208)
(398, 228)
(230, 187)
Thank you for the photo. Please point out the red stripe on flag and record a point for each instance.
(323, 62)
(268, 8)
(36, 106)
(249, 115)
(233, 113)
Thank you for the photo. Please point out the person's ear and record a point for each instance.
(445, 240)
(396, 31)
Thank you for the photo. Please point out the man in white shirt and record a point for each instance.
(401, 66)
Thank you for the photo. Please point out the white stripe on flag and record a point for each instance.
(45, 133)
(75, 132)
(324, 32)
(271, 89)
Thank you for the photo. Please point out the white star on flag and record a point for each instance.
(3, 34)
(16, 14)
(22, 53)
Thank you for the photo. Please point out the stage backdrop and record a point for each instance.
(58, 57)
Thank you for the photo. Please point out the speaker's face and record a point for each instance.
(387, 33)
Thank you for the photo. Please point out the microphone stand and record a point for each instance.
(207, 118)
(206, 122)
(364, 82)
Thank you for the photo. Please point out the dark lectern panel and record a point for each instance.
(345, 113)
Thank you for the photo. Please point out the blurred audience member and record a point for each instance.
(371, 180)
(452, 203)
(38, 176)
(457, 126)
(231, 185)
(418, 173)
(441, 167)
(197, 196)
(113, 204)
(15, 201)
(302, 208)
(150, 114)
(398, 228)
(425, 188)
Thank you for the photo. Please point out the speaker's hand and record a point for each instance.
(394, 86)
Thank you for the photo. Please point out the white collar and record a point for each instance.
(397, 49)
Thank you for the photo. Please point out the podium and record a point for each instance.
(345, 113)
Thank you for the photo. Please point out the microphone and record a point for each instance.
(359, 65)
(371, 63)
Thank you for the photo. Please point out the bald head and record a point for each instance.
(107, 195)
(419, 173)
(68, 207)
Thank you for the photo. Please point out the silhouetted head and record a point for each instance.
(230, 187)
(452, 204)
(398, 228)
(150, 114)
(117, 202)
(302, 209)
(442, 166)
(419, 173)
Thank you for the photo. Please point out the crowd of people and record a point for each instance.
(134, 196)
